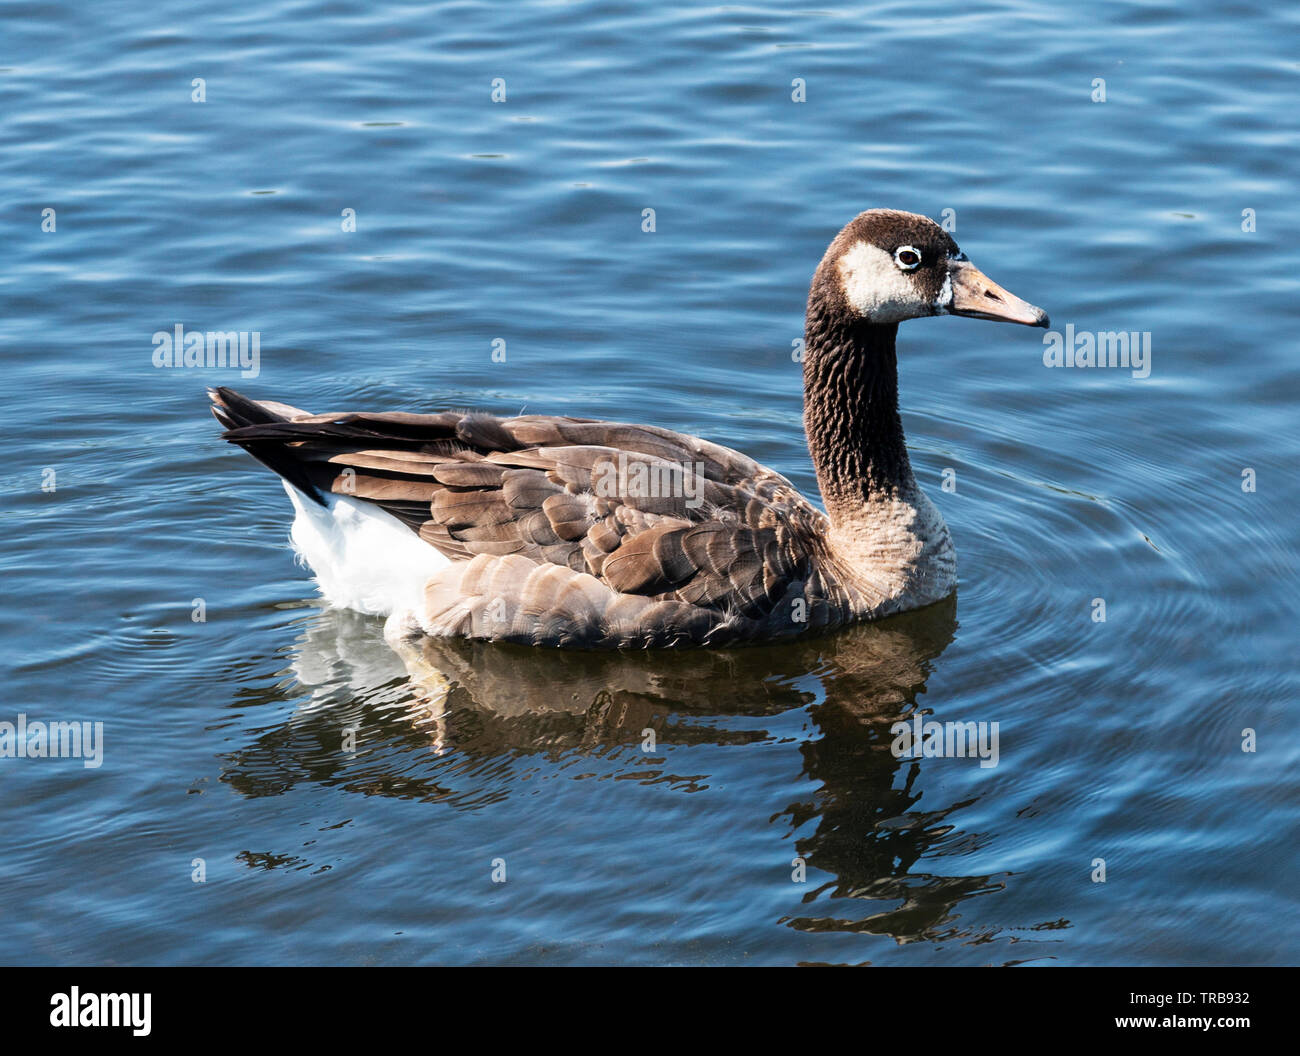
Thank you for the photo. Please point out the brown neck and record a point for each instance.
(851, 412)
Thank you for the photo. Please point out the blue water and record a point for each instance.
(521, 221)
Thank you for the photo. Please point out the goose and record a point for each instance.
(582, 533)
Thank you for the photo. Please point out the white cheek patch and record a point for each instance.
(876, 288)
(943, 303)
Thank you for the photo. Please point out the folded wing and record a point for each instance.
(606, 532)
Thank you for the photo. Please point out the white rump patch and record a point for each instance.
(876, 288)
(363, 558)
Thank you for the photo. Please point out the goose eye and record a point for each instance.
(907, 258)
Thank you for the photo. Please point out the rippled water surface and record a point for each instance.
(520, 222)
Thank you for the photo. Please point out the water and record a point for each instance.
(521, 221)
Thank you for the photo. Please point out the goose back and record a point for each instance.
(569, 531)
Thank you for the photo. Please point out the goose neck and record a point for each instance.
(855, 433)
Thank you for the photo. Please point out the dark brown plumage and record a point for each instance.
(720, 566)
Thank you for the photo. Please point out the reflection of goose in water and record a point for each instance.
(462, 724)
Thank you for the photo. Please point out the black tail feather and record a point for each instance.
(238, 413)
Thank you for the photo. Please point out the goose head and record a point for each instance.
(886, 266)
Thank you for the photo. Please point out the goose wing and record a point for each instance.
(646, 512)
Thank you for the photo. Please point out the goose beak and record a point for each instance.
(977, 296)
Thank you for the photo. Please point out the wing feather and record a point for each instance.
(567, 519)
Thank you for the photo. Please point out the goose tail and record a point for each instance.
(241, 416)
